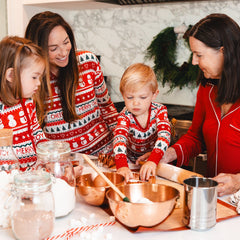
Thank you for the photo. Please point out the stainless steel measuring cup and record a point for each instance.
(200, 203)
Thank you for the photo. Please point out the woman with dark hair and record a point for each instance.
(81, 112)
(215, 44)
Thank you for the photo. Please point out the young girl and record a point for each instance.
(143, 130)
(22, 65)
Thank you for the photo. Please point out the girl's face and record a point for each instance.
(209, 60)
(31, 77)
(138, 102)
(59, 47)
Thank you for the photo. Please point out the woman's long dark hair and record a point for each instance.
(216, 31)
(38, 30)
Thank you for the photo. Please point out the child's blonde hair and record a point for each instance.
(17, 53)
(137, 76)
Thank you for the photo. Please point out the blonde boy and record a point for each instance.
(143, 130)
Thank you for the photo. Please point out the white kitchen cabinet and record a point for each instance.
(20, 11)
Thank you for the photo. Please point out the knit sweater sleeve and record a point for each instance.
(107, 108)
(164, 135)
(120, 140)
(190, 144)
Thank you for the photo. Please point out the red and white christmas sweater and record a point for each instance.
(92, 133)
(27, 133)
(132, 141)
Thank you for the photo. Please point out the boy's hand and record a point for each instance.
(126, 172)
(141, 160)
(148, 169)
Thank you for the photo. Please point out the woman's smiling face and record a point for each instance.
(59, 47)
(209, 60)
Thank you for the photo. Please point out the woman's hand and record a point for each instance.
(126, 172)
(169, 156)
(227, 183)
(148, 169)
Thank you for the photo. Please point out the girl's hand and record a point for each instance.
(148, 169)
(228, 183)
(126, 172)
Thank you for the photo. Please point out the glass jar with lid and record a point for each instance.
(9, 166)
(55, 158)
(32, 210)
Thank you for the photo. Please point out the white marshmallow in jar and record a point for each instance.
(55, 158)
(32, 206)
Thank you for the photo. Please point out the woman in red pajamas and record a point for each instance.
(215, 44)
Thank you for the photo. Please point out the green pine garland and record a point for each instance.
(163, 51)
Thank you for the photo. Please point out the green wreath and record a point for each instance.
(163, 51)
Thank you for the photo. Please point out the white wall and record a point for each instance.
(3, 19)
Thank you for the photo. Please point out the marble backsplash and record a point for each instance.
(122, 34)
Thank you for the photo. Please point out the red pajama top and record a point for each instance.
(92, 133)
(132, 141)
(21, 118)
(220, 134)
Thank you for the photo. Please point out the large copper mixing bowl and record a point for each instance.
(132, 214)
(93, 191)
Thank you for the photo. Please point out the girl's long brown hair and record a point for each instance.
(38, 31)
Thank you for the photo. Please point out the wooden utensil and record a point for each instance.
(93, 165)
(174, 173)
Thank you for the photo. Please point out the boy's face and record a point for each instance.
(138, 102)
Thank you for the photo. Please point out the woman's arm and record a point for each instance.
(108, 110)
(190, 144)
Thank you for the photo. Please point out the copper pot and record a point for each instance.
(93, 191)
(163, 199)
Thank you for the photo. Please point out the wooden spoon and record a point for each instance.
(93, 165)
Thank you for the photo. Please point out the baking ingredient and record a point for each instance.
(235, 200)
(64, 197)
(142, 200)
(99, 182)
(32, 224)
(6, 180)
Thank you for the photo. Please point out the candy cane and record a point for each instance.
(73, 231)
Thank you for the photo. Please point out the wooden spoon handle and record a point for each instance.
(93, 165)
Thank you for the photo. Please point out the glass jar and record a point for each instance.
(55, 157)
(32, 210)
(9, 166)
(8, 159)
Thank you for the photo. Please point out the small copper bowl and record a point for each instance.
(92, 191)
(132, 214)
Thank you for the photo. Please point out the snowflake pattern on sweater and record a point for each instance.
(132, 141)
(27, 133)
(93, 132)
